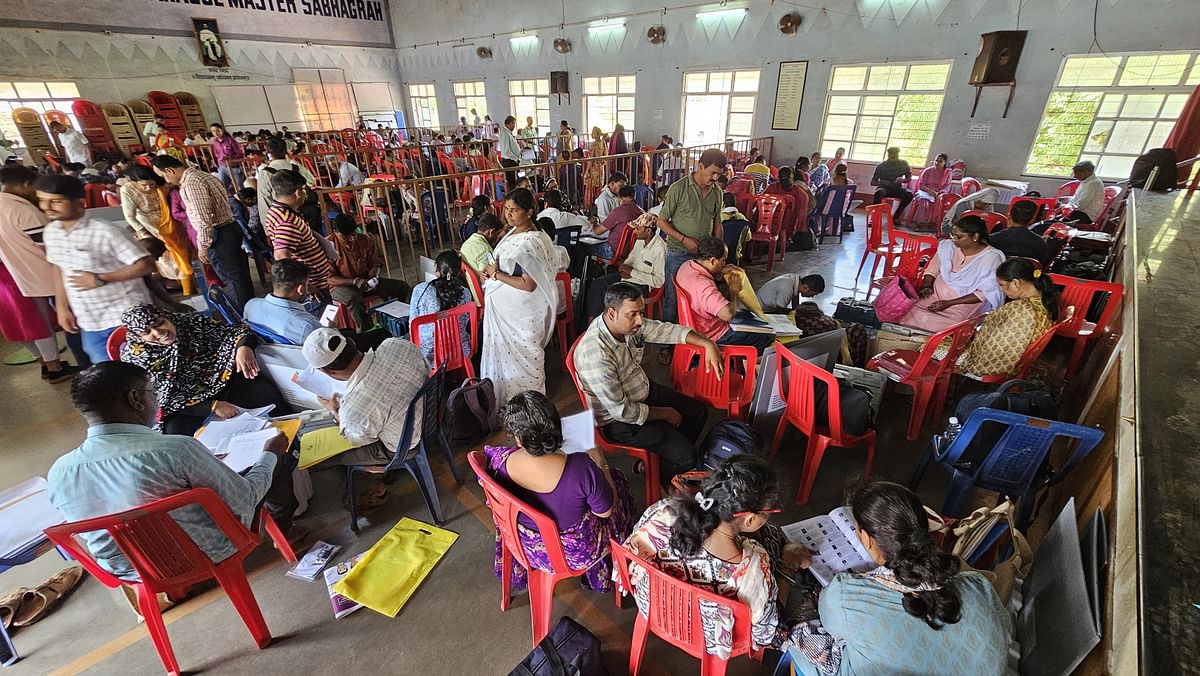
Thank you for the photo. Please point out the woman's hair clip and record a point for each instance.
(1037, 273)
(705, 503)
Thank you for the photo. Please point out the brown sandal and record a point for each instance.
(9, 605)
(36, 603)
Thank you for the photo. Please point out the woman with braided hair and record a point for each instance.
(916, 613)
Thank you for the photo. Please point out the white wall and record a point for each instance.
(846, 31)
(120, 67)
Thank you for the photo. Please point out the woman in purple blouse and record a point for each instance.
(589, 502)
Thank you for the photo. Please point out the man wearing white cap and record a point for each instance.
(379, 386)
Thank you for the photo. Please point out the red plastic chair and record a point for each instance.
(1080, 294)
(771, 214)
(928, 377)
(970, 185)
(733, 392)
(945, 202)
(566, 320)
(476, 287)
(879, 221)
(649, 459)
(674, 616)
(167, 560)
(654, 303)
(800, 412)
(624, 246)
(505, 509)
(116, 340)
(1066, 190)
(683, 303)
(907, 251)
(447, 337)
(1028, 357)
(1046, 205)
(995, 222)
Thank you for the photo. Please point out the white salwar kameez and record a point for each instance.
(517, 324)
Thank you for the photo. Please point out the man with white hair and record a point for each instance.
(348, 174)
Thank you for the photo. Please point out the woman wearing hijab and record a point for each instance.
(199, 367)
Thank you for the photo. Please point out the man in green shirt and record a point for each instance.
(691, 210)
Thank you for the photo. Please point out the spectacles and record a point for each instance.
(760, 511)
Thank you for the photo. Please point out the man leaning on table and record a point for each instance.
(123, 463)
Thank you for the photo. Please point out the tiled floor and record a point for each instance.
(451, 623)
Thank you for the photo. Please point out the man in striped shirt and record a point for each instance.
(218, 238)
(289, 233)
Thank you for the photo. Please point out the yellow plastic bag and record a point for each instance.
(389, 572)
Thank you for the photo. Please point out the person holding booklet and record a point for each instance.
(588, 501)
(713, 310)
(200, 367)
(915, 612)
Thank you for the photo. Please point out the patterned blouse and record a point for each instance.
(1005, 335)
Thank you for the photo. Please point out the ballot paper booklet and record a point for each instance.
(834, 544)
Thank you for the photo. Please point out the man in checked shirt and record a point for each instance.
(218, 238)
(628, 407)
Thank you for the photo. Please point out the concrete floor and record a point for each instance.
(453, 621)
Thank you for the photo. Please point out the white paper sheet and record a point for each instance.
(318, 383)
(397, 308)
(244, 450)
(25, 510)
(263, 412)
(579, 433)
(218, 433)
(834, 543)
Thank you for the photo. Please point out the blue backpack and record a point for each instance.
(725, 440)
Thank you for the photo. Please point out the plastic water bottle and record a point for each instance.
(952, 429)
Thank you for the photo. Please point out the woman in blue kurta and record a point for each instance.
(917, 613)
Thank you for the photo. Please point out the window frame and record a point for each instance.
(462, 102)
(729, 95)
(864, 94)
(423, 102)
(1060, 95)
(541, 103)
(618, 98)
(8, 102)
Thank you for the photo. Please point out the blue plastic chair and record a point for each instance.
(833, 204)
(414, 461)
(643, 195)
(222, 304)
(1017, 465)
(267, 335)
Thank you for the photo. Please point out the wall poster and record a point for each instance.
(212, 48)
(789, 95)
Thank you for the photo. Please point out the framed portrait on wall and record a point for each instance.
(212, 48)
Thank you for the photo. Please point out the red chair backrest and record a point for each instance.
(473, 280)
(800, 393)
(624, 245)
(740, 185)
(879, 220)
(768, 213)
(447, 335)
(995, 222)
(574, 377)
(674, 608)
(684, 303)
(1066, 189)
(970, 185)
(116, 340)
(563, 281)
(93, 195)
(706, 386)
(960, 337)
(161, 552)
(945, 202)
(915, 253)
(1035, 349)
(1079, 293)
(506, 507)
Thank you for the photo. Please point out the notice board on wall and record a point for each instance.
(789, 95)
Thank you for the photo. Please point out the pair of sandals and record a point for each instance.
(26, 606)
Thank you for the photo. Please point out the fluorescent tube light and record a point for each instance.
(522, 40)
(721, 13)
(606, 27)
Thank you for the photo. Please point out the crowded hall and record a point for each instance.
(577, 340)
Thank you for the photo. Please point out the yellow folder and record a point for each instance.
(320, 445)
(390, 571)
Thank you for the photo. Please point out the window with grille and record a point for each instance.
(1110, 109)
(719, 105)
(423, 100)
(607, 102)
(530, 98)
(872, 107)
(470, 96)
(40, 96)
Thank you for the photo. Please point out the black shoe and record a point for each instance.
(64, 373)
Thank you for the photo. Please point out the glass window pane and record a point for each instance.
(843, 105)
(1159, 135)
(740, 124)
(1115, 166)
(1154, 69)
(1063, 132)
(878, 105)
(746, 81)
(1089, 71)
(695, 83)
(459, 88)
(720, 82)
(514, 87)
(1173, 106)
(1142, 105)
(608, 85)
(741, 104)
(867, 152)
(625, 118)
(625, 103)
(873, 129)
(31, 90)
(1129, 136)
(848, 78)
(1111, 105)
(1194, 77)
(543, 87)
(886, 77)
(591, 85)
(840, 127)
(7, 91)
(928, 76)
(1098, 136)
(627, 84)
(63, 90)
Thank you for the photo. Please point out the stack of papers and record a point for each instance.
(25, 510)
(779, 325)
(217, 434)
(318, 383)
(239, 441)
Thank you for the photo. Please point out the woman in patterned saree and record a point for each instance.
(589, 502)
(1011, 328)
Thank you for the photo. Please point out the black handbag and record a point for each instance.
(857, 311)
(568, 650)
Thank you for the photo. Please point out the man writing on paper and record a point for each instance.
(379, 386)
(629, 408)
(123, 463)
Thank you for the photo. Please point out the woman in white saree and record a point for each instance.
(520, 302)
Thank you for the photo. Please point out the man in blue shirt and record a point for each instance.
(123, 464)
(282, 311)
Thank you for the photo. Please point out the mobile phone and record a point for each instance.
(491, 259)
(372, 282)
